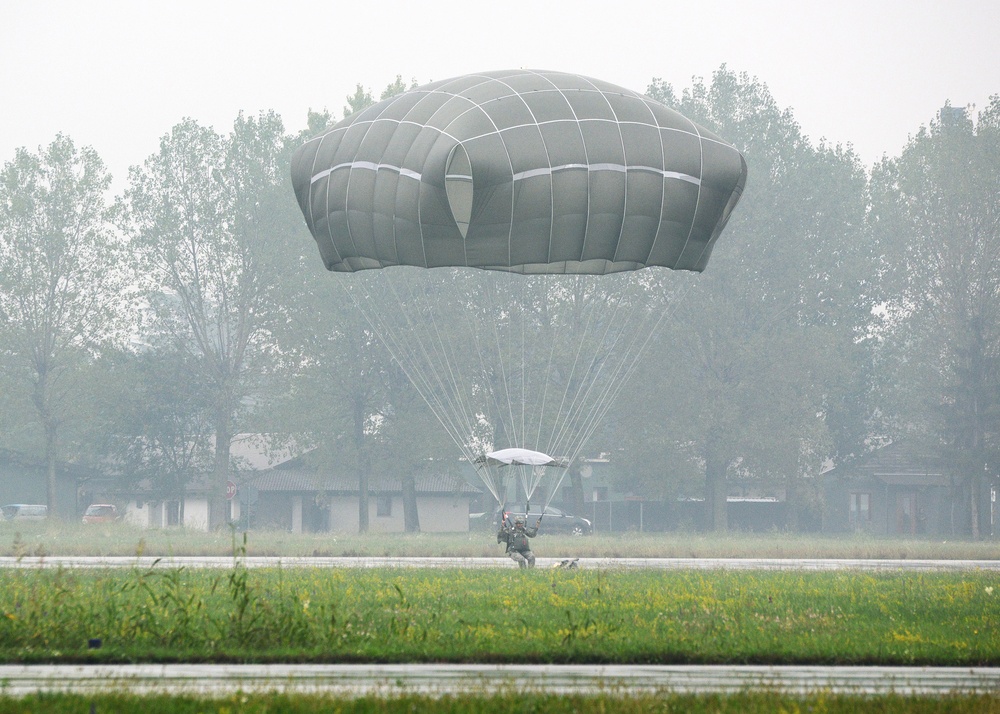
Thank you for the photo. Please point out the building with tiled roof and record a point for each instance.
(273, 486)
(299, 498)
(900, 490)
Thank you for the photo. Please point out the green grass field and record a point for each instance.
(499, 615)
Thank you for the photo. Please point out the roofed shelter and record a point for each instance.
(898, 490)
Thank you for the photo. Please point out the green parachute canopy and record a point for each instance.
(522, 171)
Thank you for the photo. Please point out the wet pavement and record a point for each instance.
(440, 679)
(810, 564)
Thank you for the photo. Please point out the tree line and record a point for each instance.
(843, 307)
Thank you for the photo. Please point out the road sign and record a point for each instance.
(230, 490)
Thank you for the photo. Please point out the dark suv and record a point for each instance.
(554, 521)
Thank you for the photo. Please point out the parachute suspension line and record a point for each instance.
(621, 346)
(493, 482)
(618, 384)
(411, 366)
(509, 310)
(511, 304)
(536, 294)
(460, 392)
(519, 305)
(560, 424)
(569, 424)
(598, 332)
(546, 380)
(527, 483)
(396, 350)
(614, 386)
(534, 310)
(494, 345)
(524, 285)
(496, 385)
(456, 392)
(419, 360)
(612, 321)
(436, 351)
(507, 376)
(555, 489)
(586, 384)
(564, 418)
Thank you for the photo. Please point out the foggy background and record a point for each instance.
(118, 75)
(836, 317)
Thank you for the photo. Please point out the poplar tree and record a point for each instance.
(64, 289)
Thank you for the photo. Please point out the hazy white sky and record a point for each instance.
(117, 75)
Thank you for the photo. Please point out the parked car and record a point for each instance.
(24, 512)
(554, 520)
(100, 513)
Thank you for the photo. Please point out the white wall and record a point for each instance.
(443, 514)
(137, 515)
(344, 515)
(154, 515)
(438, 514)
(393, 523)
(196, 513)
(297, 514)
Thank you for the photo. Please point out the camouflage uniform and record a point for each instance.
(516, 538)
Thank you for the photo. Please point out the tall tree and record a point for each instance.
(936, 217)
(746, 370)
(363, 98)
(63, 282)
(160, 418)
(397, 87)
(341, 386)
(208, 221)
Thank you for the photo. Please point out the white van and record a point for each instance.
(24, 512)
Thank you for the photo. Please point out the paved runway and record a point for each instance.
(437, 679)
(812, 564)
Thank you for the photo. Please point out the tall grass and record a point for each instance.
(501, 615)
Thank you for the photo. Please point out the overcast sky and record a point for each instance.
(117, 75)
